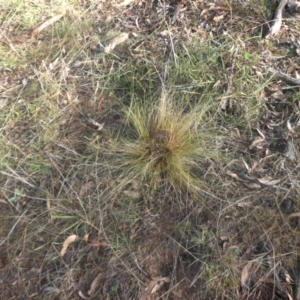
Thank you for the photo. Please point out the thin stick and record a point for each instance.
(277, 19)
(282, 75)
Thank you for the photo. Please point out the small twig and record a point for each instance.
(282, 75)
(277, 19)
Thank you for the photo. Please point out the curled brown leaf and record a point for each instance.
(71, 239)
(246, 275)
(94, 284)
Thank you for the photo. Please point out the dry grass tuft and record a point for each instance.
(165, 141)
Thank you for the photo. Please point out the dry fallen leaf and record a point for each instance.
(46, 24)
(67, 242)
(165, 33)
(94, 284)
(153, 286)
(86, 237)
(159, 284)
(246, 275)
(121, 38)
(278, 95)
(80, 293)
(234, 175)
(267, 180)
(95, 123)
(290, 151)
(217, 19)
(297, 214)
(124, 3)
(257, 143)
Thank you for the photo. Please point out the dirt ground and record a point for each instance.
(72, 229)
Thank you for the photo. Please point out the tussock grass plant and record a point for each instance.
(167, 141)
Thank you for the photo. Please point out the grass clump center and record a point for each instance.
(167, 141)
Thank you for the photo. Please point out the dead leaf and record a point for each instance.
(121, 38)
(246, 275)
(3, 201)
(97, 124)
(153, 286)
(71, 239)
(217, 19)
(46, 24)
(279, 95)
(80, 293)
(86, 237)
(290, 151)
(267, 180)
(157, 286)
(235, 176)
(257, 142)
(132, 194)
(125, 3)
(297, 214)
(253, 182)
(94, 284)
(165, 33)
